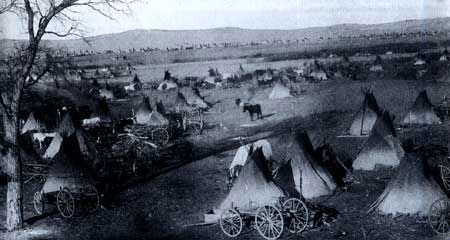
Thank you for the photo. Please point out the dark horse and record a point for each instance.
(252, 109)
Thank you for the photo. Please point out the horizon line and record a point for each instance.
(233, 27)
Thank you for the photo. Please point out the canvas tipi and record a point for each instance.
(311, 179)
(66, 169)
(381, 148)
(180, 104)
(279, 91)
(377, 66)
(193, 98)
(254, 186)
(146, 116)
(32, 124)
(366, 117)
(421, 112)
(412, 191)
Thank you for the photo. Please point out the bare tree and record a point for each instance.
(40, 18)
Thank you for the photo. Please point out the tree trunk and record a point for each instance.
(14, 214)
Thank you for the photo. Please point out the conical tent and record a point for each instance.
(280, 91)
(311, 179)
(412, 191)
(180, 104)
(253, 187)
(143, 111)
(421, 112)
(381, 148)
(66, 169)
(32, 124)
(366, 117)
(193, 98)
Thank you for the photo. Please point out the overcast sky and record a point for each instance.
(256, 14)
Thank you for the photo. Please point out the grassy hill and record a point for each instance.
(140, 38)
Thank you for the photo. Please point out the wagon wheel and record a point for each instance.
(445, 175)
(231, 223)
(160, 136)
(269, 222)
(439, 216)
(92, 198)
(38, 202)
(65, 203)
(298, 211)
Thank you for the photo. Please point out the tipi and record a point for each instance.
(66, 169)
(279, 91)
(366, 117)
(311, 179)
(381, 148)
(193, 98)
(146, 116)
(32, 124)
(180, 104)
(421, 112)
(377, 66)
(254, 186)
(410, 192)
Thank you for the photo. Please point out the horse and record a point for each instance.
(252, 109)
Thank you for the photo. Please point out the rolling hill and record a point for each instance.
(140, 38)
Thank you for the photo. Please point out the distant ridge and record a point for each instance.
(160, 38)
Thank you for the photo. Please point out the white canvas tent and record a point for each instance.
(65, 171)
(381, 148)
(32, 124)
(193, 98)
(279, 91)
(421, 112)
(411, 191)
(252, 188)
(146, 116)
(366, 116)
(311, 179)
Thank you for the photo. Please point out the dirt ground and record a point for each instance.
(167, 206)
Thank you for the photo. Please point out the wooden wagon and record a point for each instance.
(269, 220)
